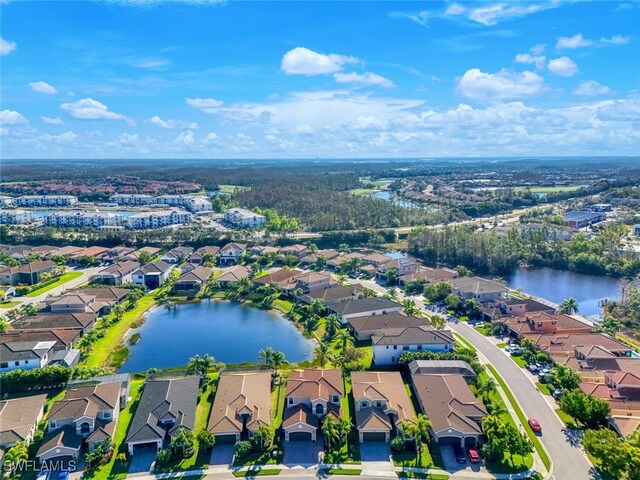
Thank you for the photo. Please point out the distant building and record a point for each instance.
(193, 204)
(600, 207)
(82, 219)
(636, 230)
(4, 200)
(243, 218)
(581, 218)
(158, 219)
(45, 200)
(15, 217)
(133, 199)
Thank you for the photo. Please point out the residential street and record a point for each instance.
(569, 462)
(76, 282)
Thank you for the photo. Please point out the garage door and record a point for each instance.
(449, 441)
(300, 437)
(225, 439)
(145, 447)
(374, 437)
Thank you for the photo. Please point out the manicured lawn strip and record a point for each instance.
(363, 191)
(558, 189)
(60, 281)
(411, 459)
(544, 388)
(116, 469)
(519, 360)
(104, 347)
(568, 420)
(464, 341)
(9, 304)
(232, 188)
(501, 345)
(257, 472)
(342, 471)
(486, 331)
(430, 476)
(534, 438)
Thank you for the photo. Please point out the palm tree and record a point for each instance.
(496, 408)
(296, 294)
(437, 322)
(330, 431)
(277, 360)
(569, 306)
(392, 294)
(332, 323)
(418, 430)
(485, 386)
(369, 292)
(323, 353)
(344, 339)
(201, 365)
(266, 355)
(410, 307)
(491, 425)
(310, 324)
(316, 307)
(28, 309)
(15, 456)
(118, 312)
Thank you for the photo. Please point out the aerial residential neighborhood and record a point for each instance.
(318, 240)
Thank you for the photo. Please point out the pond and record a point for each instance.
(389, 197)
(231, 332)
(556, 285)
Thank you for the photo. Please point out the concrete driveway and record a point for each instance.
(142, 461)
(302, 453)
(221, 455)
(375, 452)
(450, 464)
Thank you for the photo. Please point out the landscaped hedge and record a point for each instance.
(38, 379)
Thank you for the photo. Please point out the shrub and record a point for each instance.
(242, 449)
(398, 444)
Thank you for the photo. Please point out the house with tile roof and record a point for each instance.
(334, 294)
(230, 253)
(193, 279)
(116, 274)
(29, 274)
(86, 415)
(363, 328)
(453, 409)
(25, 355)
(311, 394)
(389, 344)
(478, 288)
(381, 403)
(152, 275)
(363, 307)
(19, 419)
(234, 274)
(200, 255)
(241, 406)
(165, 407)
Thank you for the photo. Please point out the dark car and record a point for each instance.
(459, 454)
(474, 456)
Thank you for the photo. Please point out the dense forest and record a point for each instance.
(494, 253)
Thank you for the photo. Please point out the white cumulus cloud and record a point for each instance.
(493, 14)
(366, 78)
(169, 124)
(302, 61)
(537, 60)
(505, 84)
(11, 117)
(90, 109)
(591, 88)
(52, 120)
(573, 42)
(615, 40)
(208, 105)
(563, 67)
(6, 46)
(185, 138)
(42, 87)
(66, 137)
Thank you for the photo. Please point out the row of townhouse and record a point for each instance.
(191, 203)
(83, 219)
(15, 217)
(104, 220)
(43, 201)
(158, 219)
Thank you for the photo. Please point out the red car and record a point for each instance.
(473, 455)
(535, 425)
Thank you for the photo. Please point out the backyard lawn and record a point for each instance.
(59, 281)
(9, 304)
(104, 348)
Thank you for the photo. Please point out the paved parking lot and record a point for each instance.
(302, 453)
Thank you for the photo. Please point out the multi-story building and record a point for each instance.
(45, 200)
(82, 219)
(4, 200)
(25, 355)
(193, 204)
(243, 218)
(158, 219)
(133, 199)
(15, 217)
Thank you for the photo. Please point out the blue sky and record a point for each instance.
(151, 79)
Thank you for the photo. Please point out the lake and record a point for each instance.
(556, 285)
(231, 332)
(389, 197)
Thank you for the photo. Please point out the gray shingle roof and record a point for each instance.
(363, 305)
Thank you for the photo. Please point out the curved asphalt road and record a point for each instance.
(569, 462)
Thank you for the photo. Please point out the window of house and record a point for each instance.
(107, 414)
(365, 404)
(419, 347)
(405, 347)
(378, 403)
(4, 365)
(52, 424)
(336, 398)
(395, 347)
(290, 401)
(16, 363)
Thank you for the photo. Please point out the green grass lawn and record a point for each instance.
(501, 345)
(342, 471)
(363, 191)
(430, 476)
(412, 459)
(104, 348)
(544, 388)
(59, 281)
(568, 420)
(9, 304)
(258, 472)
(486, 331)
(464, 341)
(534, 438)
(519, 360)
(232, 188)
(116, 469)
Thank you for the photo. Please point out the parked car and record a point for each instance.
(473, 455)
(459, 454)
(532, 367)
(557, 393)
(535, 425)
(516, 351)
(507, 348)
